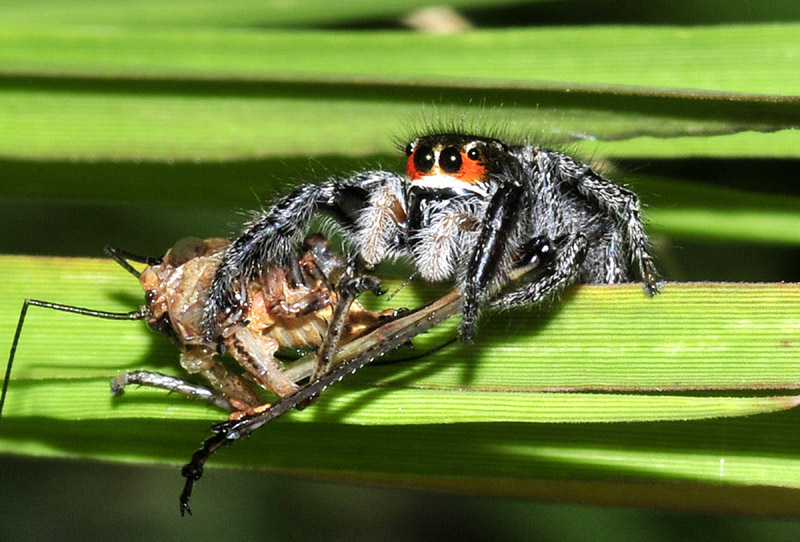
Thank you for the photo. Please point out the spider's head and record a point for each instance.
(445, 158)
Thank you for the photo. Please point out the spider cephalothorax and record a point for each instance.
(467, 209)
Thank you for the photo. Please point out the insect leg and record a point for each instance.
(256, 354)
(138, 314)
(170, 383)
(349, 288)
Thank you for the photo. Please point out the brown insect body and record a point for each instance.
(279, 314)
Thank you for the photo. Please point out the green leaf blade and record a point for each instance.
(489, 401)
(700, 58)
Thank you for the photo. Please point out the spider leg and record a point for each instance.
(491, 247)
(268, 239)
(563, 270)
(621, 204)
(272, 237)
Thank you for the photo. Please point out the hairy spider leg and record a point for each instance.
(272, 237)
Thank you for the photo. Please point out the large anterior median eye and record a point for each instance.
(450, 160)
(423, 159)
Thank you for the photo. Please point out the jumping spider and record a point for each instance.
(467, 209)
(510, 224)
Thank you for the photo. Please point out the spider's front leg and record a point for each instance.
(497, 228)
(272, 238)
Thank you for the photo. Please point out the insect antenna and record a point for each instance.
(138, 314)
(122, 257)
(397, 290)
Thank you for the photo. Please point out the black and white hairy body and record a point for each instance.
(467, 209)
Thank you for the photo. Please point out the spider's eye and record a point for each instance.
(473, 154)
(409, 149)
(423, 159)
(450, 160)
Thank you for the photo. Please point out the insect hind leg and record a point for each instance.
(349, 288)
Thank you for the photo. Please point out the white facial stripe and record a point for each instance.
(447, 181)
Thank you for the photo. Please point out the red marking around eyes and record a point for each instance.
(411, 170)
(472, 171)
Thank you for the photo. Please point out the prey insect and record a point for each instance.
(298, 307)
(466, 209)
(284, 312)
